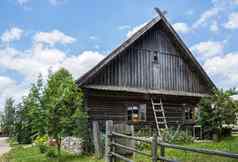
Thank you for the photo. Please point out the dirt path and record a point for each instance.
(4, 146)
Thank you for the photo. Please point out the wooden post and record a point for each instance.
(162, 151)
(108, 140)
(133, 142)
(154, 148)
(96, 140)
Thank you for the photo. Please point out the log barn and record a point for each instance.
(150, 79)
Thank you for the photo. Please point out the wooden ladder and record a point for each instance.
(159, 115)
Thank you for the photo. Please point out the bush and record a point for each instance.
(226, 132)
(51, 153)
(41, 142)
(143, 146)
(43, 148)
(176, 137)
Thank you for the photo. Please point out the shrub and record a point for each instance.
(43, 148)
(41, 142)
(217, 110)
(176, 137)
(51, 153)
(143, 146)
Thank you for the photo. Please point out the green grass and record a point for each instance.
(229, 144)
(32, 154)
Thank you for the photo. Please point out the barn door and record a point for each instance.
(156, 70)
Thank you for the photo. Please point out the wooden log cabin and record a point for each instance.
(153, 65)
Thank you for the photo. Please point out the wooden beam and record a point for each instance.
(108, 141)
(145, 91)
(96, 140)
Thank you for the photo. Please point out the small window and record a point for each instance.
(188, 113)
(155, 57)
(136, 112)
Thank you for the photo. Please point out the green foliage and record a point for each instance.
(51, 153)
(30, 115)
(43, 139)
(32, 154)
(43, 148)
(217, 109)
(8, 119)
(177, 137)
(41, 142)
(55, 109)
(64, 102)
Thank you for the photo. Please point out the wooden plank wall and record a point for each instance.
(136, 67)
(114, 107)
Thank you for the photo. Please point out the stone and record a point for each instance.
(73, 145)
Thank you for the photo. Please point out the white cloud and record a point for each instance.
(9, 88)
(80, 64)
(189, 12)
(212, 12)
(218, 9)
(214, 26)
(181, 27)
(123, 27)
(208, 49)
(11, 35)
(5, 83)
(232, 22)
(224, 69)
(135, 29)
(56, 2)
(235, 1)
(53, 37)
(93, 37)
(39, 59)
(23, 2)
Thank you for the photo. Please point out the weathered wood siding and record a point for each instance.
(136, 66)
(103, 105)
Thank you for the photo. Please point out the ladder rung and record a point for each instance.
(161, 117)
(157, 110)
(157, 104)
(161, 122)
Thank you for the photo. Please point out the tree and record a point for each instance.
(39, 111)
(218, 109)
(31, 115)
(9, 117)
(64, 104)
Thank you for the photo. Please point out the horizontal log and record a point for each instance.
(166, 160)
(130, 149)
(130, 137)
(200, 150)
(121, 157)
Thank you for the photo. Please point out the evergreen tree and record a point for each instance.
(218, 109)
(64, 104)
(9, 117)
(31, 114)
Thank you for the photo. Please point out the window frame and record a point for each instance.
(137, 109)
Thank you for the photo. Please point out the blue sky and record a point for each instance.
(38, 35)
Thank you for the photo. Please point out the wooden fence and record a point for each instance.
(111, 145)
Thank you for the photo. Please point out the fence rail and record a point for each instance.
(111, 145)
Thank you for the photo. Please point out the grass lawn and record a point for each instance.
(32, 154)
(229, 144)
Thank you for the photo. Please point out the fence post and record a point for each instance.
(162, 151)
(108, 140)
(154, 148)
(96, 139)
